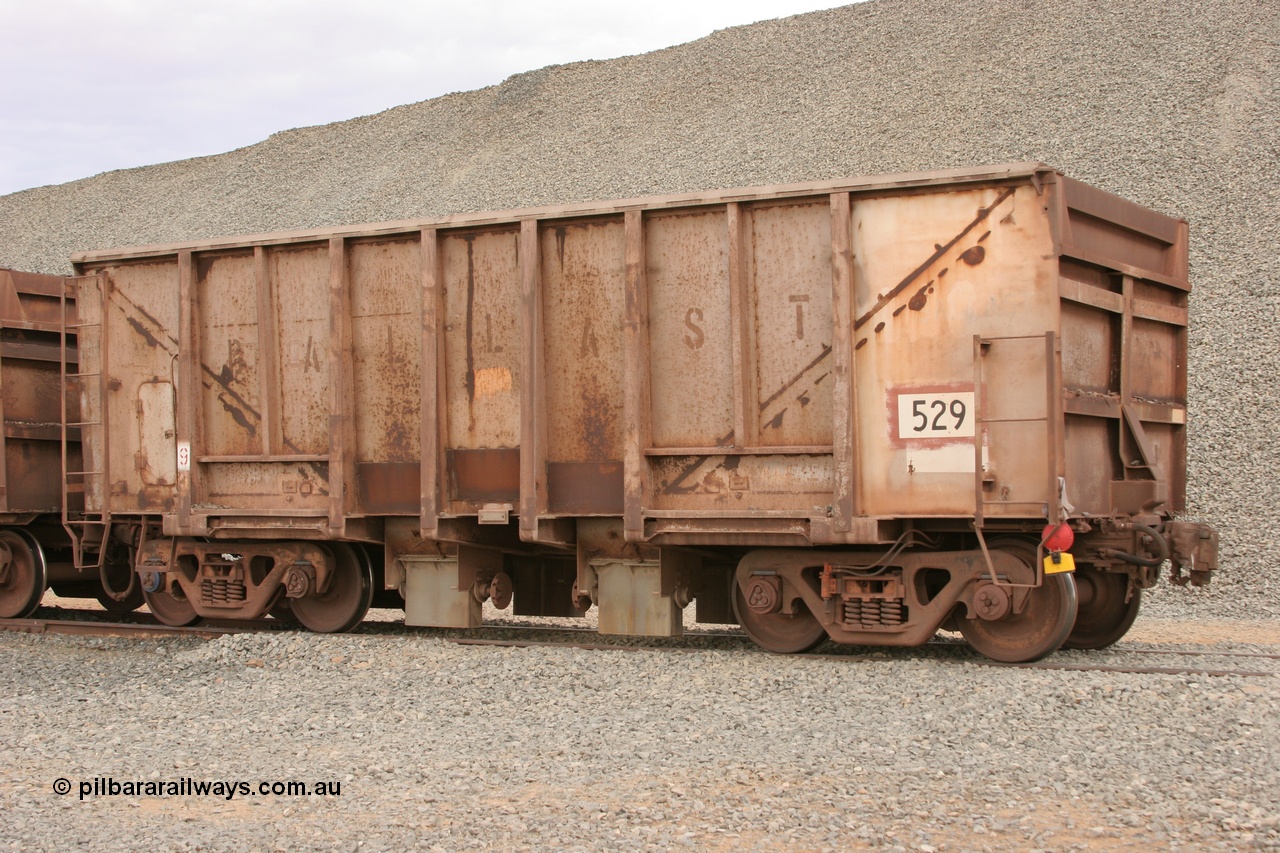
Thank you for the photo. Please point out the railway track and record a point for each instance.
(143, 626)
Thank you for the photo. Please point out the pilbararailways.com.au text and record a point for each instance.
(188, 787)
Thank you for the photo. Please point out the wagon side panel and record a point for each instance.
(262, 321)
(386, 326)
(483, 371)
(583, 306)
(740, 348)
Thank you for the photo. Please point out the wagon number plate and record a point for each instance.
(944, 415)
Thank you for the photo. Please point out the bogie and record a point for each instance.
(789, 601)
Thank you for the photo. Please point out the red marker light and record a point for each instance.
(1058, 537)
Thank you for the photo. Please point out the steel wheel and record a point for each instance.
(23, 576)
(1104, 616)
(128, 604)
(170, 609)
(1041, 627)
(347, 600)
(121, 590)
(775, 631)
(282, 611)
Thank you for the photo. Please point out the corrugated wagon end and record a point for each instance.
(1123, 278)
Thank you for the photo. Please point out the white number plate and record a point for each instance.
(943, 415)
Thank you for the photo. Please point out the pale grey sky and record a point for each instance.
(94, 85)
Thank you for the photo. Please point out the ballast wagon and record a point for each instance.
(861, 410)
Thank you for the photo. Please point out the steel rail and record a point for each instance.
(119, 629)
(1141, 670)
(152, 629)
(1046, 665)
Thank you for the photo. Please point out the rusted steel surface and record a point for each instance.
(134, 323)
(809, 363)
(583, 309)
(385, 305)
(232, 399)
(31, 300)
(482, 351)
(790, 297)
(300, 280)
(489, 475)
(115, 629)
(585, 488)
(390, 488)
(690, 328)
(31, 308)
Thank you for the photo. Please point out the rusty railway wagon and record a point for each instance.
(863, 410)
(35, 552)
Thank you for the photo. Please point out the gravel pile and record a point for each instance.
(442, 747)
(1172, 103)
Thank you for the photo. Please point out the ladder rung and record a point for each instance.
(88, 535)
